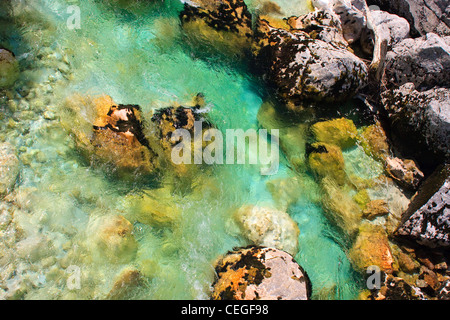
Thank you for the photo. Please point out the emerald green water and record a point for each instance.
(138, 56)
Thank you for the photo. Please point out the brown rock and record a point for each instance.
(375, 208)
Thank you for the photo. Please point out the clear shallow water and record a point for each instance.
(138, 56)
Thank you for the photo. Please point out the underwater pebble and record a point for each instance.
(48, 115)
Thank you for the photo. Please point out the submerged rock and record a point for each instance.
(114, 240)
(376, 208)
(154, 207)
(125, 284)
(227, 24)
(9, 168)
(326, 160)
(163, 124)
(374, 142)
(258, 273)
(301, 67)
(9, 69)
(427, 220)
(371, 248)
(111, 134)
(340, 208)
(269, 228)
(340, 132)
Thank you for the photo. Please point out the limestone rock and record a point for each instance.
(420, 121)
(396, 288)
(301, 67)
(9, 167)
(258, 273)
(9, 69)
(423, 61)
(321, 25)
(424, 16)
(268, 227)
(374, 142)
(427, 219)
(389, 26)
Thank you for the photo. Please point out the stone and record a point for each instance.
(340, 132)
(165, 121)
(375, 209)
(427, 219)
(396, 288)
(9, 69)
(154, 208)
(444, 291)
(422, 61)
(404, 172)
(226, 25)
(302, 68)
(258, 273)
(326, 160)
(268, 227)
(320, 25)
(340, 209)
(125, 284)
(424, 16)
(9, 168)
(406, 263)
(420, 122)
(114, 240)
(371, 248)
(389, 26)
(110, 134)
(374, 141)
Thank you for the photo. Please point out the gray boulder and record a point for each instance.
(389, 26)
(427, 220)
(420, 121)
(424, 16)
(423, 61)
(301, 67)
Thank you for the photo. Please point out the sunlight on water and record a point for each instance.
(138, 56)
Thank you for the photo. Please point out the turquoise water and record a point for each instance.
(138, 56)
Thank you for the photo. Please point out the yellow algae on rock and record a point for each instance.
(340, 132)
(327, 160)
(340, 208)
(373, 139)
(371, 248)
(114, 239)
